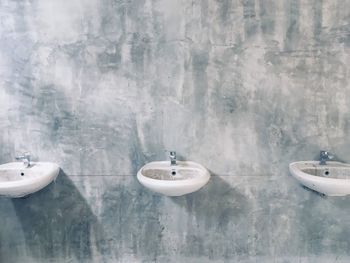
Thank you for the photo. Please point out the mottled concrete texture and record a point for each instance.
(243, 87)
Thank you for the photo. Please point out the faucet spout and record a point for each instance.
(172, 156)
(25, 157)
(325, 156)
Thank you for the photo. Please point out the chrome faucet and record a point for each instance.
(25, 157)
(325, 156)
(172, 155)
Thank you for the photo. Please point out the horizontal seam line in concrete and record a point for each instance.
(124, 175)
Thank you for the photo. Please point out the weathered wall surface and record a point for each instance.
(242, 87)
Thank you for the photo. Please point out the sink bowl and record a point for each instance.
(16, 180)
(184, 178)
(332, 179)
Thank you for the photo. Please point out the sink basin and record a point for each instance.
(332, 179)
(185, 178)
(16, 180)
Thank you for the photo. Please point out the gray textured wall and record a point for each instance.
(243, 87)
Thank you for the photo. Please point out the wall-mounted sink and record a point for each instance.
(184, 178)
(17, 180)
(331, 178)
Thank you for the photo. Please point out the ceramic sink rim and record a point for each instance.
(25, 180)
(203, 173)
(326, 185)
(41, 175)
(174, 187)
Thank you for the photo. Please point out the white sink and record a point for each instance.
(158, 177)
(16, 180)
(331, 179)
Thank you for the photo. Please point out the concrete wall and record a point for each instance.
(243, 87)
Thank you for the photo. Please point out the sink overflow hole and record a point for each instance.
(326, 172)
(22, 174)
(173, 173)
